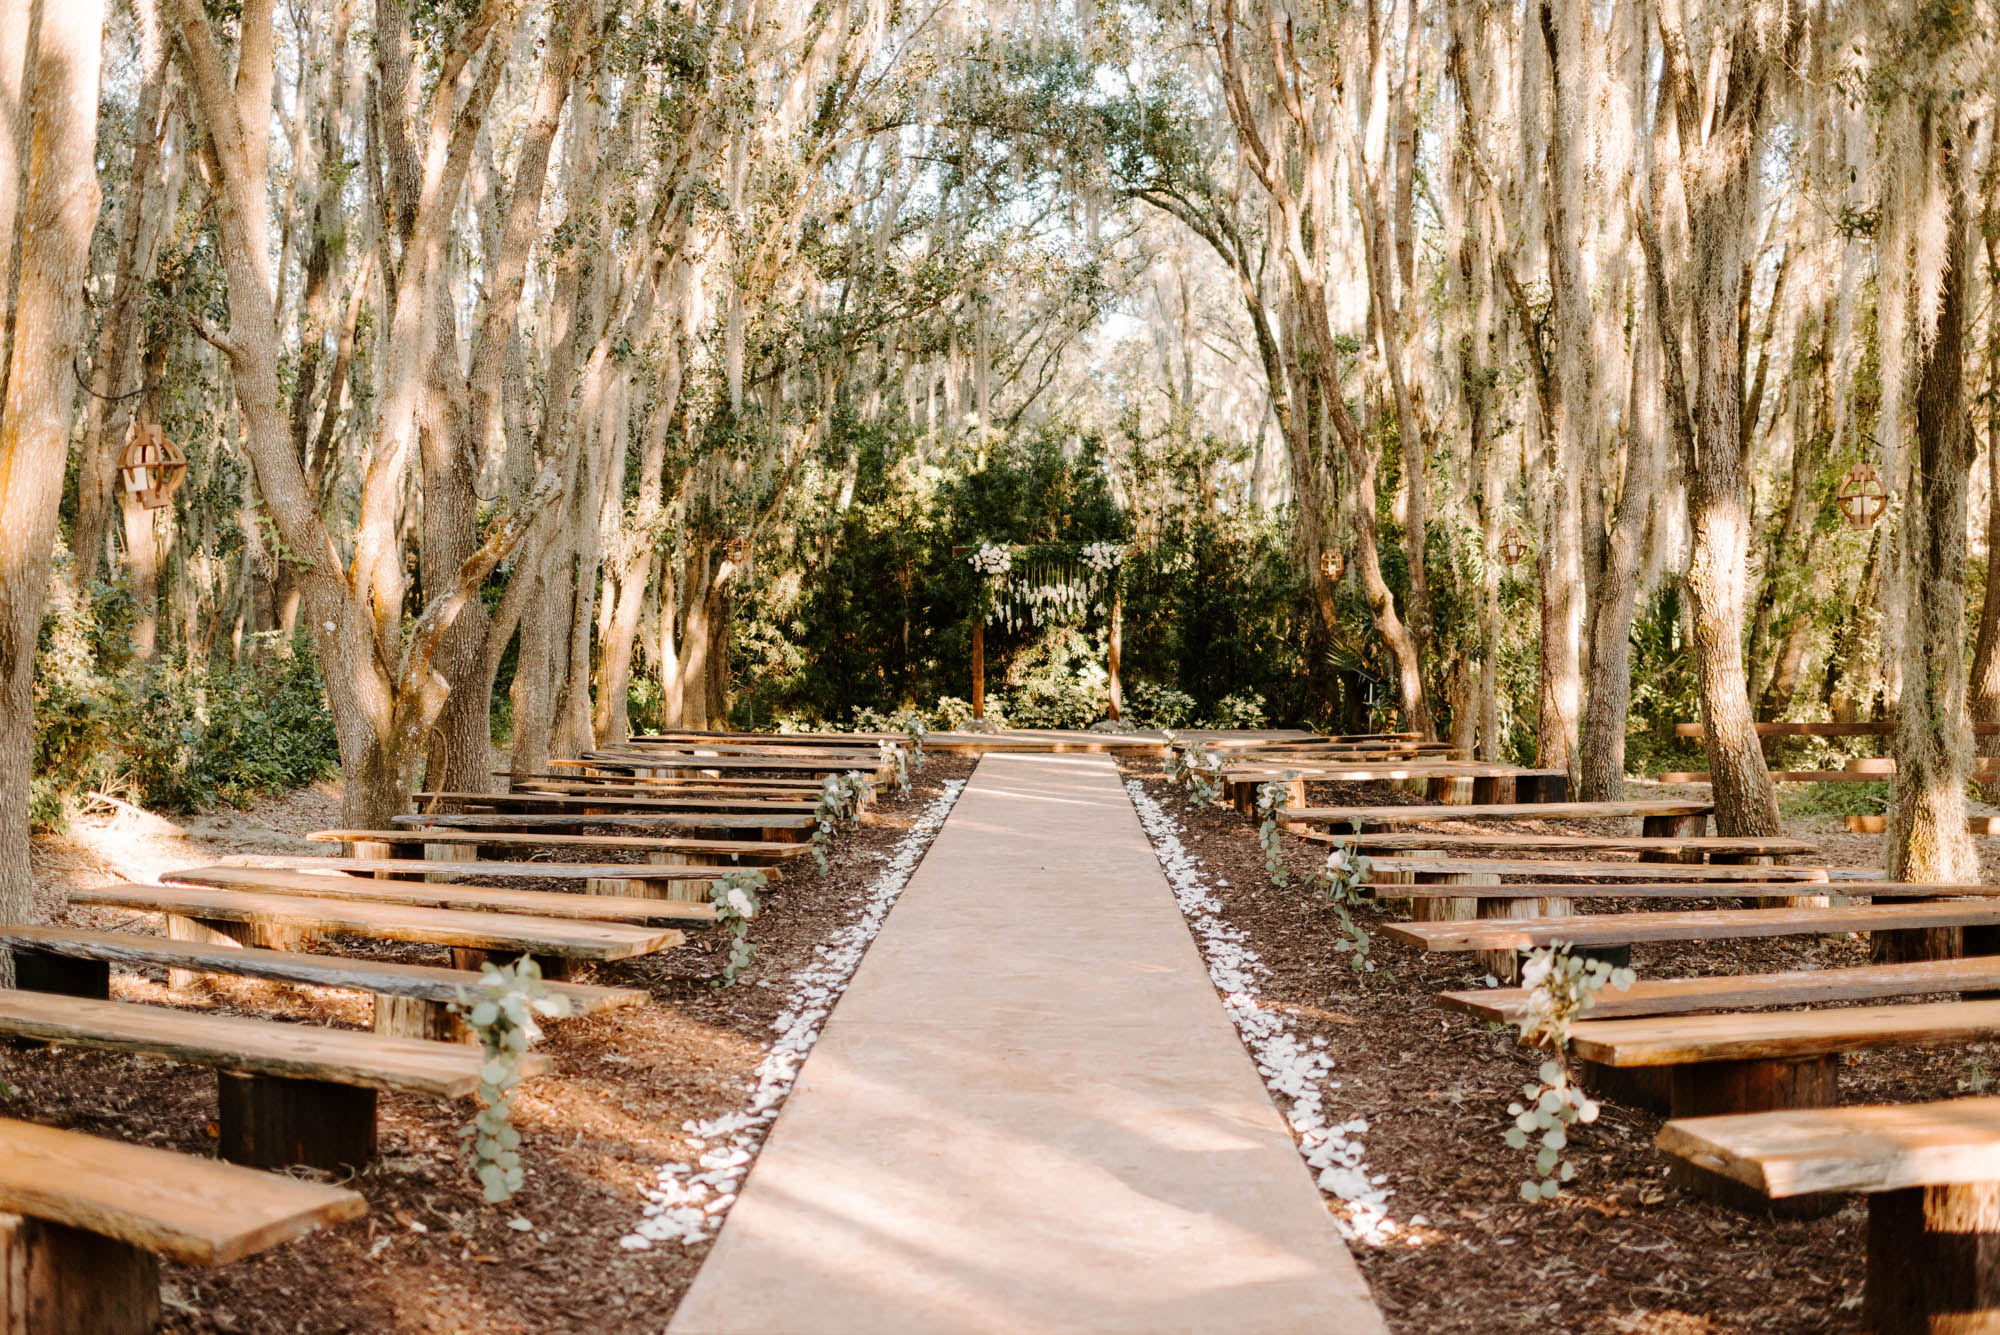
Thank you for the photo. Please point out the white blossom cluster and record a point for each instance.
(1103, 557)
(1298, 1074)
(991, 559)
(688, 1202)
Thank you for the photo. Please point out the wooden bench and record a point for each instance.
(638, 879)
(78, 963)
(1618, 929)
(1794, 987)
(289, 1093)
(1979, 825)
(278, 921)
(84, 1221)
(1931, 1172)
(736, 764)
(1868, 729)
(773, 828)
(1580, 869)
(426, 894)
(1505, 842)
(1650, 812)
(583, 801)
(748, 851)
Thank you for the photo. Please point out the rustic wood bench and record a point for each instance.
(1878, 890)
(733, 764)
(289, 1093)
(427, 894)
(1794, 987)
(78, 963)
(1652, 813)
(84, 1221)
(1580, 869)
(1931, 1172)
(1509, 842)
(279, 921)
(661, 785)
(1979, 825)
(1617, 929)
(638, 879)
(583, 801)
(748, 851)
(773, 828)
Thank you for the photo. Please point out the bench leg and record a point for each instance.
(40, 971)
(56, 1280)
(1647, 1087)
(1934, 1260)
(275, 1121)
(1541, 788)
(1712, 1089)
(1673, 827)
(554, 967)
(414, 1017)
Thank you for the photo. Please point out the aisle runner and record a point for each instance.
(1029, 1112)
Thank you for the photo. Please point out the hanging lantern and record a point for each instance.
(152, 467)
(1513, 546)
(1862, 496)
(737, 550)
(1331, 564)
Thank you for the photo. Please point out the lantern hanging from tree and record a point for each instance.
(1513, 546)
(1862, 496)
(1331, 565)
(152, 467)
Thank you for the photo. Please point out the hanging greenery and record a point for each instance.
(1055, 582)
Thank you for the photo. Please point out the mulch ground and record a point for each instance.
(1620, 1250)
(431, 1256)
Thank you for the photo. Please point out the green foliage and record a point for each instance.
(1150, 705)
(173, 735)
(1345, 874)
(502, 1014)
(1271, 798)
(1196, 768)
(737, 899)
(1560, 987)
(841, 797)
(1244, 709)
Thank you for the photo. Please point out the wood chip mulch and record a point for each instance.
(431, 1256)
(1620, 1250)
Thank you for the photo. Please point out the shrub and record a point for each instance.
(1153, 706)
(1244, 709)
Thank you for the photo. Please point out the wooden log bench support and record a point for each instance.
(287, 1093)
(1725, 1064)
(84, 1221)
(1931, 1172)
(411, 1000)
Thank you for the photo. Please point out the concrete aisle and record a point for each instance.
(1029, 1112)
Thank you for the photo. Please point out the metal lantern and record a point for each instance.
(1331, 564)
(1513, 546)
(738, 551)
(152, 467)
(1862, 496)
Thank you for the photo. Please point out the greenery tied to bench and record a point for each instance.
(898, 761)
(736, 902)
(1271, 798)
(1346, 872)
(1194, 767)
(840, 800)
(1560, 987)
(502, 1014)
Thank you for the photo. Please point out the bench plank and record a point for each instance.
(643, 820)
(1637, 871)
(1685, 890)
(1882, 1147)
(1678, 1040)
(1686, 996)
(424, 894)
(1505, 841)
(261, 1047)
(423, 982)
(1609, 929)
(512, 932)
(195, 1211)
(463, 872)
(744, 848)
(1495, 811)
(559, 801)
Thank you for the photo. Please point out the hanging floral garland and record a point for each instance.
(1045, 584)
